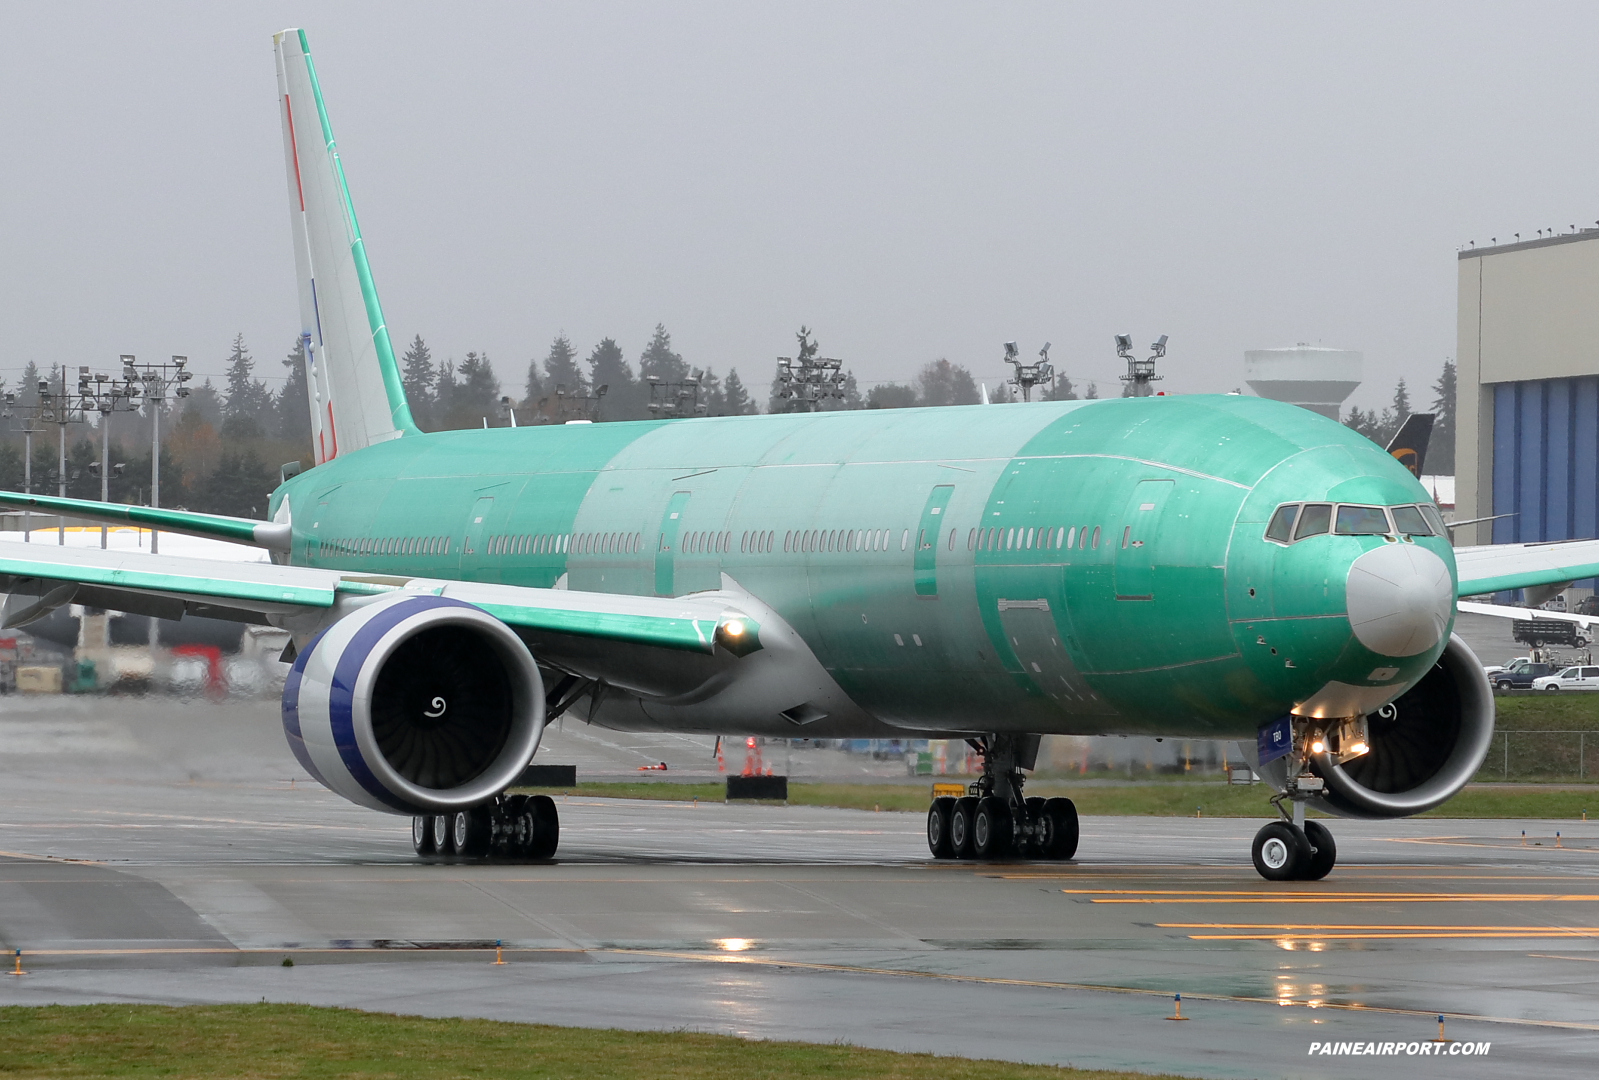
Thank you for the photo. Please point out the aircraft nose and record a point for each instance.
(1399, 598)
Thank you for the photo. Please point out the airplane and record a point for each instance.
(1205, 566)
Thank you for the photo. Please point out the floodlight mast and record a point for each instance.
(155, 381)
(29, 426)
(1029, 375)
(1140, 372)
(809, 381)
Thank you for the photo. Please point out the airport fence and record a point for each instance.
(1542, 756)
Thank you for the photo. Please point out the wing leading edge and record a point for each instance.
(169, 586)
(1500, 567)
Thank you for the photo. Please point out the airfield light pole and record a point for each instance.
(1140, 372)
(30, 428)
(674, 399)
(810, 380)
(59, 408)
(1029, 375)
(106, 395)
(156, 380)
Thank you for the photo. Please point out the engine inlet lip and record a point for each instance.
(527, 707)
(1471, 748)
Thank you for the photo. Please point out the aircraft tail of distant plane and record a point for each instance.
(356, 396)
(1409, 444)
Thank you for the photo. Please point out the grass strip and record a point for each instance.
(1130, 800)
(307, 1043)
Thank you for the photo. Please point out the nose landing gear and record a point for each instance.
(994, 820)
(1293, 849)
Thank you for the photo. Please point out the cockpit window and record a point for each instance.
(1281, 528)
(1434, 518)
(1410, 521)
(1361, 521)
(1313, 520)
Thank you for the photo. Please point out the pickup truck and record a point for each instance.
(1519, 676)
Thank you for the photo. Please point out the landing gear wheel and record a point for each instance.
(938, 816)
(443, 838)
(546, 836)
(422, 834)
(1032, 845)
(1279, 852)
(960, 826)
(991, 829)
(471, 831)
(1325, 854)
(1060, 835)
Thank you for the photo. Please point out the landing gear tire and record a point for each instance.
(938, 818)
(1325, 852)
(1280, 852)
(443, 839)
(1059, 840)
(546, 836)
(1036, 846)
(422, 834)
(471, 831)
(991, 829)
(960, 827)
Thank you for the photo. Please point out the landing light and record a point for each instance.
(1359, 748)
(733, 628)
(1318, 747)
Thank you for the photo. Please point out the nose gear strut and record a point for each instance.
(994, 819)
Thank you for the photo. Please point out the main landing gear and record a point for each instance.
(512, 826)
(994, 820)
(1293, 849)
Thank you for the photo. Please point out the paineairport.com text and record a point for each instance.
(1397, 1049)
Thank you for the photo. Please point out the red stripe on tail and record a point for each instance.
(294, 152)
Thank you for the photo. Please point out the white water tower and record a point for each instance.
(1306, 375)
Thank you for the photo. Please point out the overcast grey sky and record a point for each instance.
(912, 180)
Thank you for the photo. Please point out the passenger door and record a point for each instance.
(924, 561)
(473, 557)
(1135, 573)
(666, 546)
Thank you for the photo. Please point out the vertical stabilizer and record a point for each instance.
(356, 398)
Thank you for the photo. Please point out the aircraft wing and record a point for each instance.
(1494, 568)
(1501, 611)
(40, 577)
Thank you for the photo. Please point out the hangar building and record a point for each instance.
(1528, 390)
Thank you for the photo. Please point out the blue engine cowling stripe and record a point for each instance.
(341, 694)
(291, 710)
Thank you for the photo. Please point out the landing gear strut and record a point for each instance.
(512, 826)
(993, 819)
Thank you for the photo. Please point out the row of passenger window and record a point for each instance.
(1296, 521)
(822, 540)
(1003, 539)
(587, 543)
(388, 545)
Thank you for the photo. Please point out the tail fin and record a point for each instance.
(356, 397)
(1409, 444)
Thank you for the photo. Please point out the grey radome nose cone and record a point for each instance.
(1399, 599)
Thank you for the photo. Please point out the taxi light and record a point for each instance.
(1318, 747)
(1359, 748)
(733, 628)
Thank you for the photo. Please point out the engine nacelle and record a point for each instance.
(415, 704)
(1424, 747)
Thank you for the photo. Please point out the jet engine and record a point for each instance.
(415, 705)
(1422, 748)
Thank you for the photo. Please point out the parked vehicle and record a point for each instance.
(1572, 678)
(1491, 670)
(1520, 676)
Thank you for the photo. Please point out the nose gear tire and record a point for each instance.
(1279, 852)
(1321, 860)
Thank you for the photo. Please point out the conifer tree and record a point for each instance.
(1441, 454)
(246, 398)
(293, 406)
(475, 396)
(659, 360)
(418, 379)
(561, 370)
(737, 398)
(625, 397)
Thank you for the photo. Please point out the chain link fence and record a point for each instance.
(1542, 756)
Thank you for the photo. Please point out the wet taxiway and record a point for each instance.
(174, 853)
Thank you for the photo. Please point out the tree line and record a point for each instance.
(1381, 427)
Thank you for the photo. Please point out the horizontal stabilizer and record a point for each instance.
(263, 534)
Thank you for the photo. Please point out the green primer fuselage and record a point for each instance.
(869, 533)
